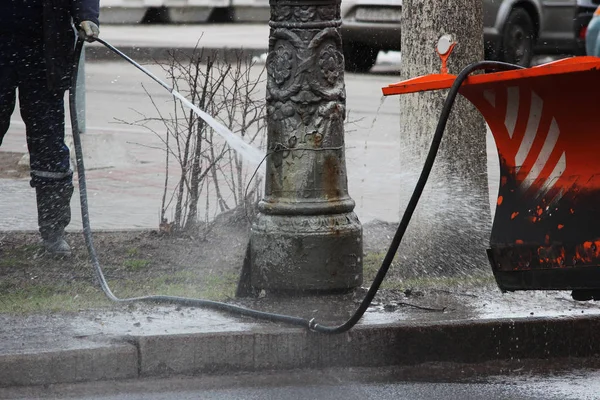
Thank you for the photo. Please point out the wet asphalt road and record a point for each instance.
(363, 384)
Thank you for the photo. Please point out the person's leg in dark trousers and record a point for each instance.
(43, 112)
(8, 86)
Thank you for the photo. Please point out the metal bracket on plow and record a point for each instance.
(546, 125)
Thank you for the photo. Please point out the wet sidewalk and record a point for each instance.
(148, 341)
(123, 193)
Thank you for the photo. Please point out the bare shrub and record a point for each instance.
(209, 176)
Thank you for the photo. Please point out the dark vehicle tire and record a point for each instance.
(518, 38)
(359, 57)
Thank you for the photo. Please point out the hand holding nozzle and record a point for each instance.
(88, 31)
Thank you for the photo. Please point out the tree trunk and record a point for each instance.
(450, 229)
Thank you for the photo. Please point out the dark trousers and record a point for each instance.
(43, 112)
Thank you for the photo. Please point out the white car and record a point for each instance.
(513, 29)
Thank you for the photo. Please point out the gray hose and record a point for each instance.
(241, 311)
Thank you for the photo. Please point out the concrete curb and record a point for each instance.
(468, 342)
(105, 362)
(372, 346)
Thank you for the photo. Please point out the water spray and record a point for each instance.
(257, 157)
(250, 153)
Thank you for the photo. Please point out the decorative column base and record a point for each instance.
(320, 253)
(306, 236)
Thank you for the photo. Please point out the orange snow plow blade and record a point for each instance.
(546, 124)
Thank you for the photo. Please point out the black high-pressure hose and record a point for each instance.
(309, 324)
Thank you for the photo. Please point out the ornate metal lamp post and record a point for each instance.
(306, 236)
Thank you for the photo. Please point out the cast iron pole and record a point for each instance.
(306, 236)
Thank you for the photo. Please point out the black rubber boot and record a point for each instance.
(54, 214)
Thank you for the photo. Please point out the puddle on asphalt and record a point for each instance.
(576, 385)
